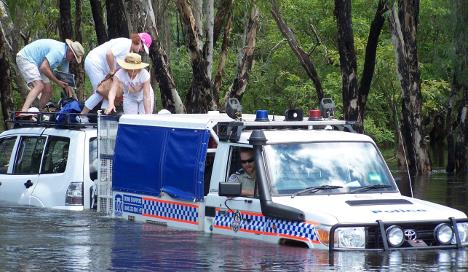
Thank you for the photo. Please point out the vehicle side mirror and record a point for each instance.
(230, 189)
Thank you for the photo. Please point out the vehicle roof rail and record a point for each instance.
(231, 131)
(19, 119)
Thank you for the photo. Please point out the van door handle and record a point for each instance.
(28, 184)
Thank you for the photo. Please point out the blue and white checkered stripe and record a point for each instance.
(270, 226)
(170, 210)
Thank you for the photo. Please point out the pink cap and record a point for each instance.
(146, 40)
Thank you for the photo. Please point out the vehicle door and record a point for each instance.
(18, 186)
(7, 147)
(239, 215)
(54, 180)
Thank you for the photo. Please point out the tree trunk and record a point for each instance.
(457, 119)
(245, 64)
(218, 80)
(117, 24)
(163, 23)
(143, 17)
(371, 49)
(199, 98)
(223, 13)
(404, 27)
(348, 64)
(6, 100)
(209, 24)
(99, 25)
(10, 38)
(65, 23)
(78, 68)
(302, 56)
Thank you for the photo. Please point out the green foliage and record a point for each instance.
(277, 80)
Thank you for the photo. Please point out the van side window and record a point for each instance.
(6, 147)
(28, 158)
(56, 155)
(208, 171)
(93, 158)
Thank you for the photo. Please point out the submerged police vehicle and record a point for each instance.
(318, 184)
(48, 161)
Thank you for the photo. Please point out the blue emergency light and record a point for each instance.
(261, 116)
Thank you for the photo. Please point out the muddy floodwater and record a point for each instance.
(33, 239)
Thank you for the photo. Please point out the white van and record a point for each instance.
(44, 166)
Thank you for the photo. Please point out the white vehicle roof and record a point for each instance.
(288, 136)
(192, 121)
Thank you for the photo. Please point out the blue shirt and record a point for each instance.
(52, 50)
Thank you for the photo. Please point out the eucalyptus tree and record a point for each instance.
(245, 57)
(457, 115)
(98, 18)
(404, 25)
(355, 93)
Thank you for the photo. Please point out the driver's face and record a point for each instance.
(247, 161)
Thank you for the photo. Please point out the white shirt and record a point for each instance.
(119, 47)
(133, 88)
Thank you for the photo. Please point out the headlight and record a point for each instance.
(443, 233)
(350, 237)
(462, 233)
(395, 236)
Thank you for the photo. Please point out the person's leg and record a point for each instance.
(38, 86)
(46, 95)
(91, 102)
(32, 76)
(95, 75)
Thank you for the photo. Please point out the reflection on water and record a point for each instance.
(33, 239)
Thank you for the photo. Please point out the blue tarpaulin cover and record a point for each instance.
(149, 160)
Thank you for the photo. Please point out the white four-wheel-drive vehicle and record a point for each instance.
(48, 165)
(317, 183)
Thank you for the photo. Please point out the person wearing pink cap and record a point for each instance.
(102, 63)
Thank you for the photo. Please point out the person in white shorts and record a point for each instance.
(36, 62)
(134, 80)
(102, 63)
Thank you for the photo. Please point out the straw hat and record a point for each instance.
(132, 61)
(76, 48)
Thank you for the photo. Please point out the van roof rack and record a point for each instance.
(231, 131)
(19, 119)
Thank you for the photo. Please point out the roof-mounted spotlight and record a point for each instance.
(327, 108)
(234, 108)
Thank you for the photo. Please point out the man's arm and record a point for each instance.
(45, 69)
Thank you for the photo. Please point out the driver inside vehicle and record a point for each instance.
(245, 175)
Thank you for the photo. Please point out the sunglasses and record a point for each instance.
(247, 161)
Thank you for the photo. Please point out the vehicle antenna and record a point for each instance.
(404, 153)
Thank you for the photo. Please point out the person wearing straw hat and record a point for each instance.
(101, 63)
(134, 80)
(37, 60)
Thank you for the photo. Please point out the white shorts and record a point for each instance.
(29, 71)
(95, 75)
(133, 106)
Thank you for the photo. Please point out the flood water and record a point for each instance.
(33, 239)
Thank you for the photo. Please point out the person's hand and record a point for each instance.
(62, 84)
(110, 109)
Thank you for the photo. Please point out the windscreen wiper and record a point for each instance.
(316, 189)
(370, 187)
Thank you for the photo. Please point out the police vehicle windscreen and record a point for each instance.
(348, 166)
